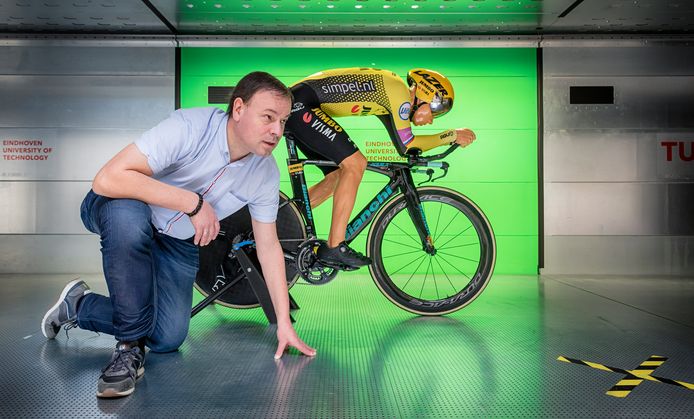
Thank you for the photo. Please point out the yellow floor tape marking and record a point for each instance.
(619, 390)
(632, 377)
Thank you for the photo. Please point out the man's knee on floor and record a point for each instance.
(167, 343)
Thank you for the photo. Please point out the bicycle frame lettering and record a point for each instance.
(362, 220)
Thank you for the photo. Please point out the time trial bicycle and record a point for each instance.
(433, 249)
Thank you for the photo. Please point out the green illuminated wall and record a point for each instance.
(496, 96)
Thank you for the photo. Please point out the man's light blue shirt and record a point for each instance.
(190, 150)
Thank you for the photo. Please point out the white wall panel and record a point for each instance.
(69, 60)
(76, 153)
(619, 61)
(617, 156)
(640, 103)
(84, 101)
(604, 209)
(42, 207)
(85, 104)
(619, 255)
(613, 203)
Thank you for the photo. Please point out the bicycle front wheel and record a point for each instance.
(442, 281)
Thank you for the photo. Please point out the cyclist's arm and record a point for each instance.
(461, 136)
(404, 139)
(427, 142)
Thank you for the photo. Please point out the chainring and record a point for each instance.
(308, 265)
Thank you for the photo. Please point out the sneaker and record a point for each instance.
(119, 376)
(64, 312)
(342, 256)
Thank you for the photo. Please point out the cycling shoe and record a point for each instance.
(341, 257)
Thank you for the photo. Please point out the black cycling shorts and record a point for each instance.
(315, 132)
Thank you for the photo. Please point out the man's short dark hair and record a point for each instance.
(255, 82)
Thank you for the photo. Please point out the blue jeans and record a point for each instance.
(149, 276)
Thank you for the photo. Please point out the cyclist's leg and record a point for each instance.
(337, 252)
(342, 182)
(318, 135)
(324, 189)
(321, 191)
(302, 126)
(351, 172)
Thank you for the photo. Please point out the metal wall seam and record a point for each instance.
(56, 40)
(252, 41)
(519, 41)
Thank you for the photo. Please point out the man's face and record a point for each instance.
(260, 121)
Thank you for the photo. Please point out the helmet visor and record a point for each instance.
(440, 106)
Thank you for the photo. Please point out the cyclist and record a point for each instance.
(358, 91)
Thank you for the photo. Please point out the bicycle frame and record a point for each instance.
(398, 194)
(400, 175)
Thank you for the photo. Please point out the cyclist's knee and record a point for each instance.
(356, 163)
(333, 176)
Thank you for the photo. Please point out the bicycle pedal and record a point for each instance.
(338, 266)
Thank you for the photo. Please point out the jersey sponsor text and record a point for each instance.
(355, 86)
(323, 124)
(297, 106)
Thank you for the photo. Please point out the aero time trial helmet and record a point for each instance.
(433, 88)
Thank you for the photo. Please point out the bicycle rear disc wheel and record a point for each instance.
(291, 232)
(442, 282)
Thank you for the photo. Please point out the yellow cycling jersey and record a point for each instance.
(362, 91)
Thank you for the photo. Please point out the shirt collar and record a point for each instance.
(223, 140)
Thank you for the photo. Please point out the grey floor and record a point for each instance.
(495, 358)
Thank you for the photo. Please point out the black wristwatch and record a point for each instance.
(197, 208)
